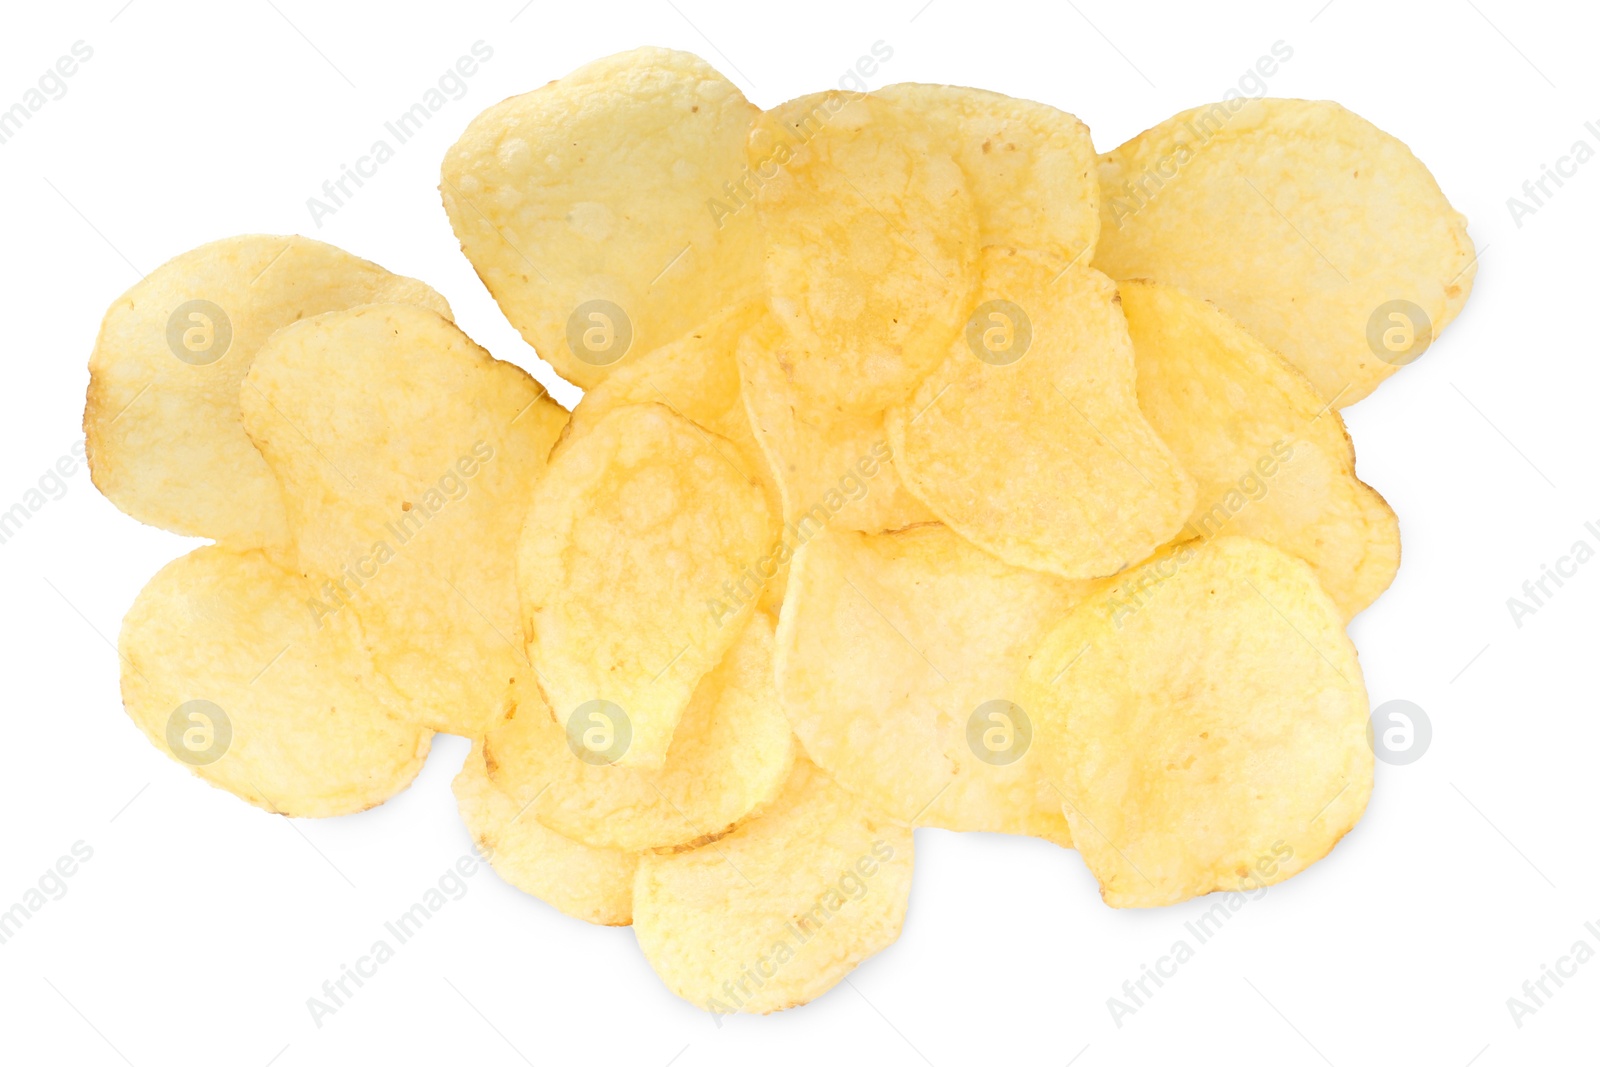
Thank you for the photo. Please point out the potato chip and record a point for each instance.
(730, 754)
(780, 910)
(592, 884)
(899, 657)
(637, 532)
(1271, 460)
(697, 376)
(408, 456)
(1028, 441)
(226, 669)
(830, 469)
(1208, 719)
(1324, 236)
(165, 441)
(885, 507)
(590, 207)
(871, 246)
(1030, 167)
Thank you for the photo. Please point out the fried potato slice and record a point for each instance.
(697, 376)
(408, 456)
(592, 884)
(780, 910)
(830, 469)
(585, 207)
(871, 245)
(1029, 442)
(225, 669)
(1271, 460)
(165, 441)
(635, 529)
(1208, 719)
(899, 658)
(730, 754)
(1319, 232)
(1030, 167)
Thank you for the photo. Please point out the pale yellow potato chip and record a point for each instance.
(783, 908)
(697, 376)
(1030, 167)
(730, 754)
(165, 441)
(589, 207)
(899, 662)
(1029, 442)
(1319, 232)
(408, 456)
(871, 245)
(1209, 722)
(592, 884)
(636, 529)
(225, 669)
(831, 469)
(1271, 459)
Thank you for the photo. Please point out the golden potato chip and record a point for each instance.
(899, 658)
(1271, 460)
(730, 754)
(780, 910)
(697, 376)
(871, 245)
(592, 884)
(165, 441)
(589, 207)
(408, 456)
(635, 529)
(830, 469)
(1208, 719)
(1324, 236)
(1028, 441)
(1030, 167)
(225, 668)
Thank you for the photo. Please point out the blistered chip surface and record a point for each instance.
(225, 668)
(1319, 232)
(165, 439)
(779, 911)
(1208, 721)
(637, 531)
(408, 458)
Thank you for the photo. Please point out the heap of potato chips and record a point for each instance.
(932, 471)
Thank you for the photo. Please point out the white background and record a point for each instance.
(200, 925)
